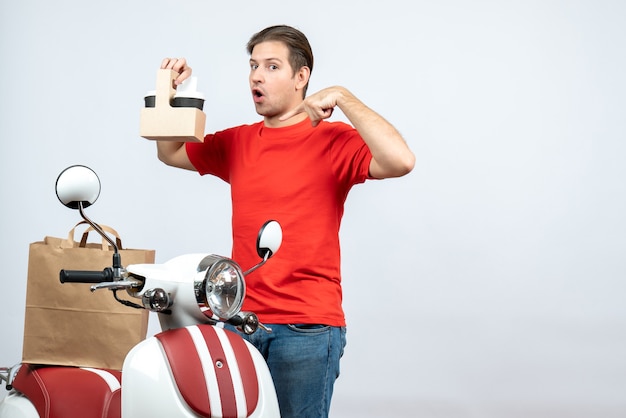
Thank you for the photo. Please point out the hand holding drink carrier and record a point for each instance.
(193, 368)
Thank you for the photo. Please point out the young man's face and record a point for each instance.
(275, 87)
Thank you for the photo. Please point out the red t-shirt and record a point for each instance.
(300, 176)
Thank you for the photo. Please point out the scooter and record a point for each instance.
(193, 368)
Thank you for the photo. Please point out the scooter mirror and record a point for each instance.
(78, 184)
(269, 239)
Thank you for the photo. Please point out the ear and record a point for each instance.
(302, 77)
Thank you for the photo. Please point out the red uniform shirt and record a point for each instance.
(300, 176)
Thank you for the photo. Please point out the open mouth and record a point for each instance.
(257, 95)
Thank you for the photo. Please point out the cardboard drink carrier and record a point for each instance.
(173, 114)
(67, 324)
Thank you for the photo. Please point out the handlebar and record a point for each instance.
(86, 276)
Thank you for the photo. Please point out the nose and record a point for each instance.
(256, 76)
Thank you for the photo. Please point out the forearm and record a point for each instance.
(390, 153)
(174, 154)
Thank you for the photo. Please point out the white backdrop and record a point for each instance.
(487, 283)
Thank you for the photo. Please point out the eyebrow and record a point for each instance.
(267, 60)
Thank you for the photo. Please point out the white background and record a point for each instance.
(490, 282)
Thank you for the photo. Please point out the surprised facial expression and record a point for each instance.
(275, 87)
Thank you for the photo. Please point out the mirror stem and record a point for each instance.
(265, 257)
(117, 262)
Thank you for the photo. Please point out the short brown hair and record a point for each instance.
(300, 52)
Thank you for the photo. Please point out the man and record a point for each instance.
(297, 168)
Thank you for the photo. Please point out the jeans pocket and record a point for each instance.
(309, 328)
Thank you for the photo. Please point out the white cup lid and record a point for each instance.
(189, 88)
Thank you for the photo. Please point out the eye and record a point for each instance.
(254, 66)
(273, 67)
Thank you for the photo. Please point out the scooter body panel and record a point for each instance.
(16, 405)
(197, 371)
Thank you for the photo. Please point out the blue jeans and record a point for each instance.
(304, 363)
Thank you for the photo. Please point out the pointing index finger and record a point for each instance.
(293, 112)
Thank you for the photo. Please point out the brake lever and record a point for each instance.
(7, 374)
(119, 285)
(265, 328)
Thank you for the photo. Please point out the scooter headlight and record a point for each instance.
(221, 291)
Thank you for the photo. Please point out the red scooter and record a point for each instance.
(193, 368)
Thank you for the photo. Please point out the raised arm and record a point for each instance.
(391, 157)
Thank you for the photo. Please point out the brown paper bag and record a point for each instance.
(67, 324)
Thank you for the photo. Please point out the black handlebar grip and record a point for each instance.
(86, 276)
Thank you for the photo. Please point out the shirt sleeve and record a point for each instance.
(210, 156)
(350, 155)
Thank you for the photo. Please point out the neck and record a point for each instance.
(275, 122)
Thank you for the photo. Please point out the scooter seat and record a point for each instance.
(61, 392)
